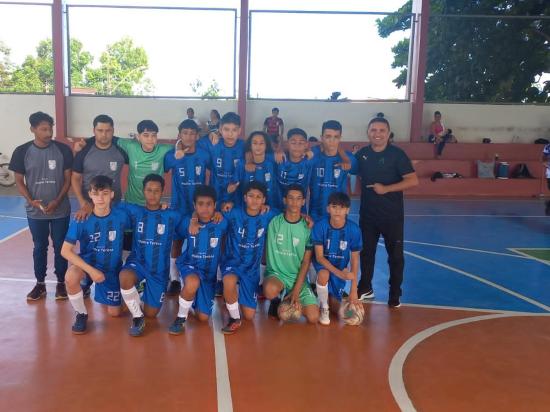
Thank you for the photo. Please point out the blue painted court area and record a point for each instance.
(457, 253)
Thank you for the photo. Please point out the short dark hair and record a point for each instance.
(296, 131)
(188, 124)
(204, 191)
(297, 187)
(332, 125)
(379, 120)
(36, 118)
(103, 118)
(147, 125)
(153, 178)
(275, 109)
(312, 139)
(437, 112)
(255, 185)
(101, 182)
(339, 199)
(380, 114)
(267, 140)
(231, 118)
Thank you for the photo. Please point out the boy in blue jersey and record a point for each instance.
(100, 237)
(187, 172)
(329, 171)
(149, 259)
(226, 155)
(337, 242)
(198, 263)
(244, 250)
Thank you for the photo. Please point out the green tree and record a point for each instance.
(122, 70)
(80, 63)
(213, 89)
(6, 67)
(479, 59)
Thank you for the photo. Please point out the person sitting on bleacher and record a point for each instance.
(439, 135)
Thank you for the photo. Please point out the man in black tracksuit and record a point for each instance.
(385, 171)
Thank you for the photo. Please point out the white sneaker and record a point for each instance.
(368, 295)
(324, 318)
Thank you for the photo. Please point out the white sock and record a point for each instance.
(185, 305)
(77, 300)
(132, 300)
(322, 294)
(262, 274)
(233, 309)
(174, 272)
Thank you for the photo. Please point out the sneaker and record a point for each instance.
(394, 302)
(231, 326)
(86, 290)
(61, 291)
(273, 306)
(140, 287)
(324, 318)
(138, 325)
(368, 295)
(177, 327)
(38, 292)
(219, 288)
(174, 288)
(79, 326)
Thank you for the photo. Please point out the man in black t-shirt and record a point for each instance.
(385, 171)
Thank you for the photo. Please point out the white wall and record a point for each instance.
(501, 123)
(14, 117)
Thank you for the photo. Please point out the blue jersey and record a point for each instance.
(101, 239)
(246, 238)
(265, 172)
(337, 243)
(187, 172)
(203, 250)
(289, 172)
(153, 232)
(225, 161)
(327, 178)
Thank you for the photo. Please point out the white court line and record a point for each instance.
(395, 372)
(29, 280)
(465, 248)
(482, 280)
(14, 217)
(223, 387)
(454, 308)
(13, 234)
(513, 249)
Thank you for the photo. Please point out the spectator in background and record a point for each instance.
(214, 123)
(439, 135)
(191, 116)
(274, 127)
(546, 162)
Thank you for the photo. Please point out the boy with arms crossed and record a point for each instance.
(100, 257)
(288, 257)
(337, 242)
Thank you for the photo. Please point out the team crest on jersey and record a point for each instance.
(300, 176)
(268, 177)
(337, 173)
(198, 170)
(343, 244)
(52, 164)
(154, 165)
(260, 232)
(160, 229)
(213, 241)
(295, 241)
(113, 166)
(235, 162)
(112, 235)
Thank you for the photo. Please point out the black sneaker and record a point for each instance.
(80, 323)
(174, 288)
(177, 327)
(273, 307)
(38, 292)
(61, 291)
(86, 290)
(231, 326)
(138, 325)
(394, 302)
(366, 296)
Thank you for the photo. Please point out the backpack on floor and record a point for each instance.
(521, 171)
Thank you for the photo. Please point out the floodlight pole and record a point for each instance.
(421, 15)
(59, 78)
(243, 64)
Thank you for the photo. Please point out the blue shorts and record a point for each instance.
(336, 285)
(153, 294)
(204, 298)
(108, 291)
(248, 284)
